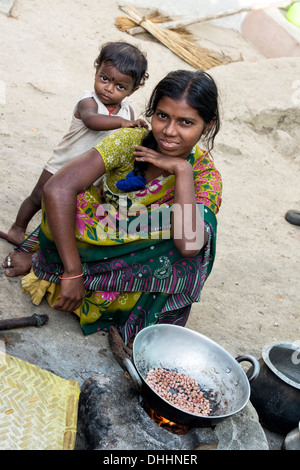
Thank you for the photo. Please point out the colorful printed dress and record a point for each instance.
(133, 274)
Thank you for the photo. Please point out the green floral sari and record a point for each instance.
(133, 274)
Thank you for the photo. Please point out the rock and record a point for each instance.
(242, 432)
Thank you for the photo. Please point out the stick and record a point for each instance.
(118, 347)
(34, 320)
(202, 19)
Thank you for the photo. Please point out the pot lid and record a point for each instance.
(284, 360)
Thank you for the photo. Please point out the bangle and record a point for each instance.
(71, 277)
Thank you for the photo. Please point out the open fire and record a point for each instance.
(165, 423)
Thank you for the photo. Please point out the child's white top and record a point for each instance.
(79, 138)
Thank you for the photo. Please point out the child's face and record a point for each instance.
(111, 86)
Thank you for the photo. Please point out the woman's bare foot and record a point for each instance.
(17, 264)
(15, 235)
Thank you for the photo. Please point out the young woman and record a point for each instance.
(139, 251)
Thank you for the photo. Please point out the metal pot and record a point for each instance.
(276, 392)
(182, 350)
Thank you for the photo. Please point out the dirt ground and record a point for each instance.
(252, 295)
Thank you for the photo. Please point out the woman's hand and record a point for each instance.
(71, 296)
(167, 163)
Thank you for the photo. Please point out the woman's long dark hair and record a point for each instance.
(200, 92)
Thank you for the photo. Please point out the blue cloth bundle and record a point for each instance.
(131, 183)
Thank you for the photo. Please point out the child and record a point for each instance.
(121, 69)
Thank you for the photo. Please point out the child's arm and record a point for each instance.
(87, 111)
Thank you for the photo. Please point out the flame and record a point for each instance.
(167, 424)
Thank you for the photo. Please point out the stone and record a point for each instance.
(242, 432)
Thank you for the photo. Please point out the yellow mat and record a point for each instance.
(38, 410)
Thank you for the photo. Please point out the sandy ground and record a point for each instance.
(252, 296)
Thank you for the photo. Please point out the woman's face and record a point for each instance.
(177, 127)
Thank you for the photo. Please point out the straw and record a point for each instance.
(126, 25)
(186, 49)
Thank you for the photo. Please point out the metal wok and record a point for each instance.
(182, 350)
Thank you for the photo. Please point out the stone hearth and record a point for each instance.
(111, 417)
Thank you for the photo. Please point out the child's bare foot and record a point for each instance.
(17, 264)
(15, 235)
